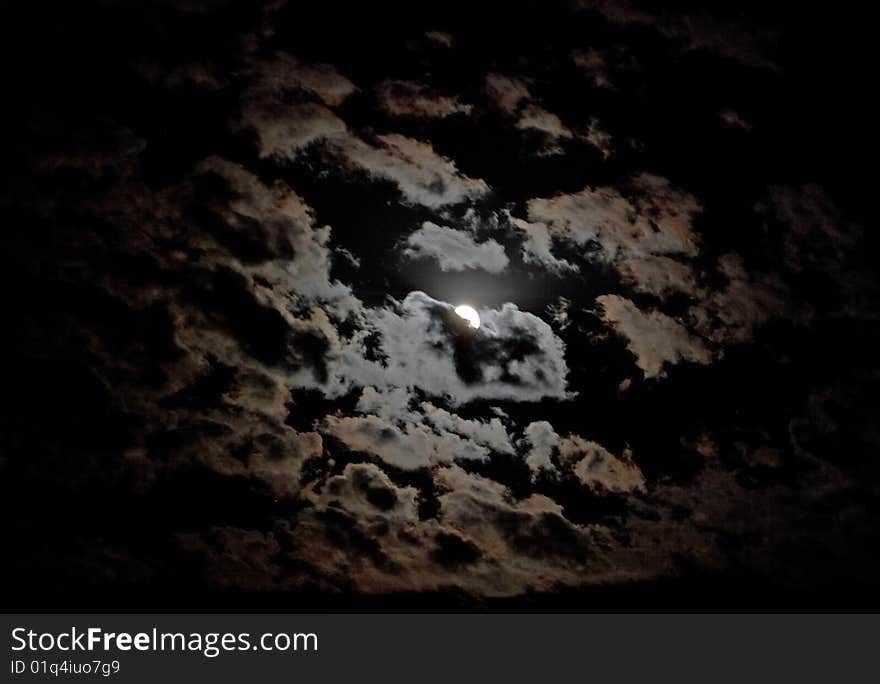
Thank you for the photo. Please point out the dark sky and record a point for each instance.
(234, 235)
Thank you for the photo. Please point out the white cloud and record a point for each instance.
(389, 403)
(537, 247)
(514, 354)
(455, 250)
(541, 441)
(491, 434)
(409, 447)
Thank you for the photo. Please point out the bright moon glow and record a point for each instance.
(469, 314)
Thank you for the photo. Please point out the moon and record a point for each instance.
(469, 314)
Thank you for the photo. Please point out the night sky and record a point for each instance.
(233, 238)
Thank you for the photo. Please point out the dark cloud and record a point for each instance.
(210, 330)
(513, 97)
(407, 98)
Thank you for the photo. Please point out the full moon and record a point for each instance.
(469, 314)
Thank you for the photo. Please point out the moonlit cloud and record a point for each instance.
(655, 220)
(455, 250)
(537, 246)
(598, 468)
(653, 337)
(646, 235)
(541, 440)
(423, 176)
(514, 355)
(408, 447)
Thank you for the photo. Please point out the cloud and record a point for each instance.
(513, 355)
(558, 311)
(734, 38)
(817, 236)
(593, 63)
(418, 437)
(98, 149)
(730, 314)
(482, 540)
(285, 131)
(233, 558)
(239, 447)
(189, 343)
(508, 93)
(423, 176)
(407, 98)
(200, 74)
(513, 532)
(820, 239)
(285, 127)
(455, 250)
(491, 434)
(733, 120)
(598, 468)
(599, 138)
(540, 441)
(411, 437)
(660, 275)
(653, 337)
(440, 38)
(389, 403)
(514, 98)
(276, 104)
(408, 447)
(537, 247)
(643, 234)
(591, 463)
(535, 118)
(649, 238)
(284, 74)
(365, 491)
(656, 219)
(274, 228)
